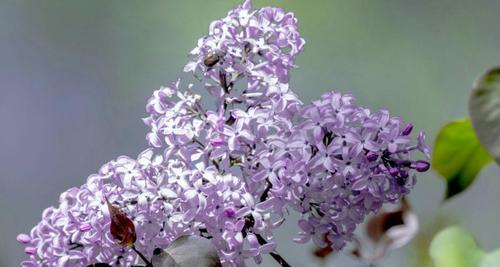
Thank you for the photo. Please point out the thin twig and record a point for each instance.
(223, 81)
(277, 257)
(266, 191)
(148, 263)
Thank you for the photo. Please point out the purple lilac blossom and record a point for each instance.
(164, 201)
(354, 161)
(233, 171)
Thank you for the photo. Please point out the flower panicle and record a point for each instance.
(230, 168)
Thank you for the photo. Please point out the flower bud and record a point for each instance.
(23, 238)
(85, 227)
(217, 142)
(371, 156)
(230, 212)
(393, 171)
(422, 165)
(30, 250)
(407, 130)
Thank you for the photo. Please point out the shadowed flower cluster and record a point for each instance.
(230, 168)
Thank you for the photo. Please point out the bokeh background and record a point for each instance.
(75, 77)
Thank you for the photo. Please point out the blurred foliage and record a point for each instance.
(455, 247)
(484, 109)
(419, 256)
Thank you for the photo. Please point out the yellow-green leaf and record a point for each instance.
(455, 247)
(458, 156)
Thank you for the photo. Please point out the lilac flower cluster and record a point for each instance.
(77, 232)
(165, 200)
(254, 43)
(231, 172)
(352, 162)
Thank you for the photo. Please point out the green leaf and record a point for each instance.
(484, 109)
(455, 247)
(458, 156)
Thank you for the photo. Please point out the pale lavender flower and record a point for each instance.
(357, 162)
(232, 171)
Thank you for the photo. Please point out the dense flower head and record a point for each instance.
(255, 43)
(232, 169)
(164, 201)
(77, 232)
(353, 162)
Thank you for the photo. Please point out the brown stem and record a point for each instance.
(277, 257)
(266, 191)
(223, 81)
(148, 263)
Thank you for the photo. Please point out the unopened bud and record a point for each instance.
(422, 165)
(407, 130)
(23, 238)
(371, 156)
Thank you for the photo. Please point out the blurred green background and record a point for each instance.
(75, 77)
